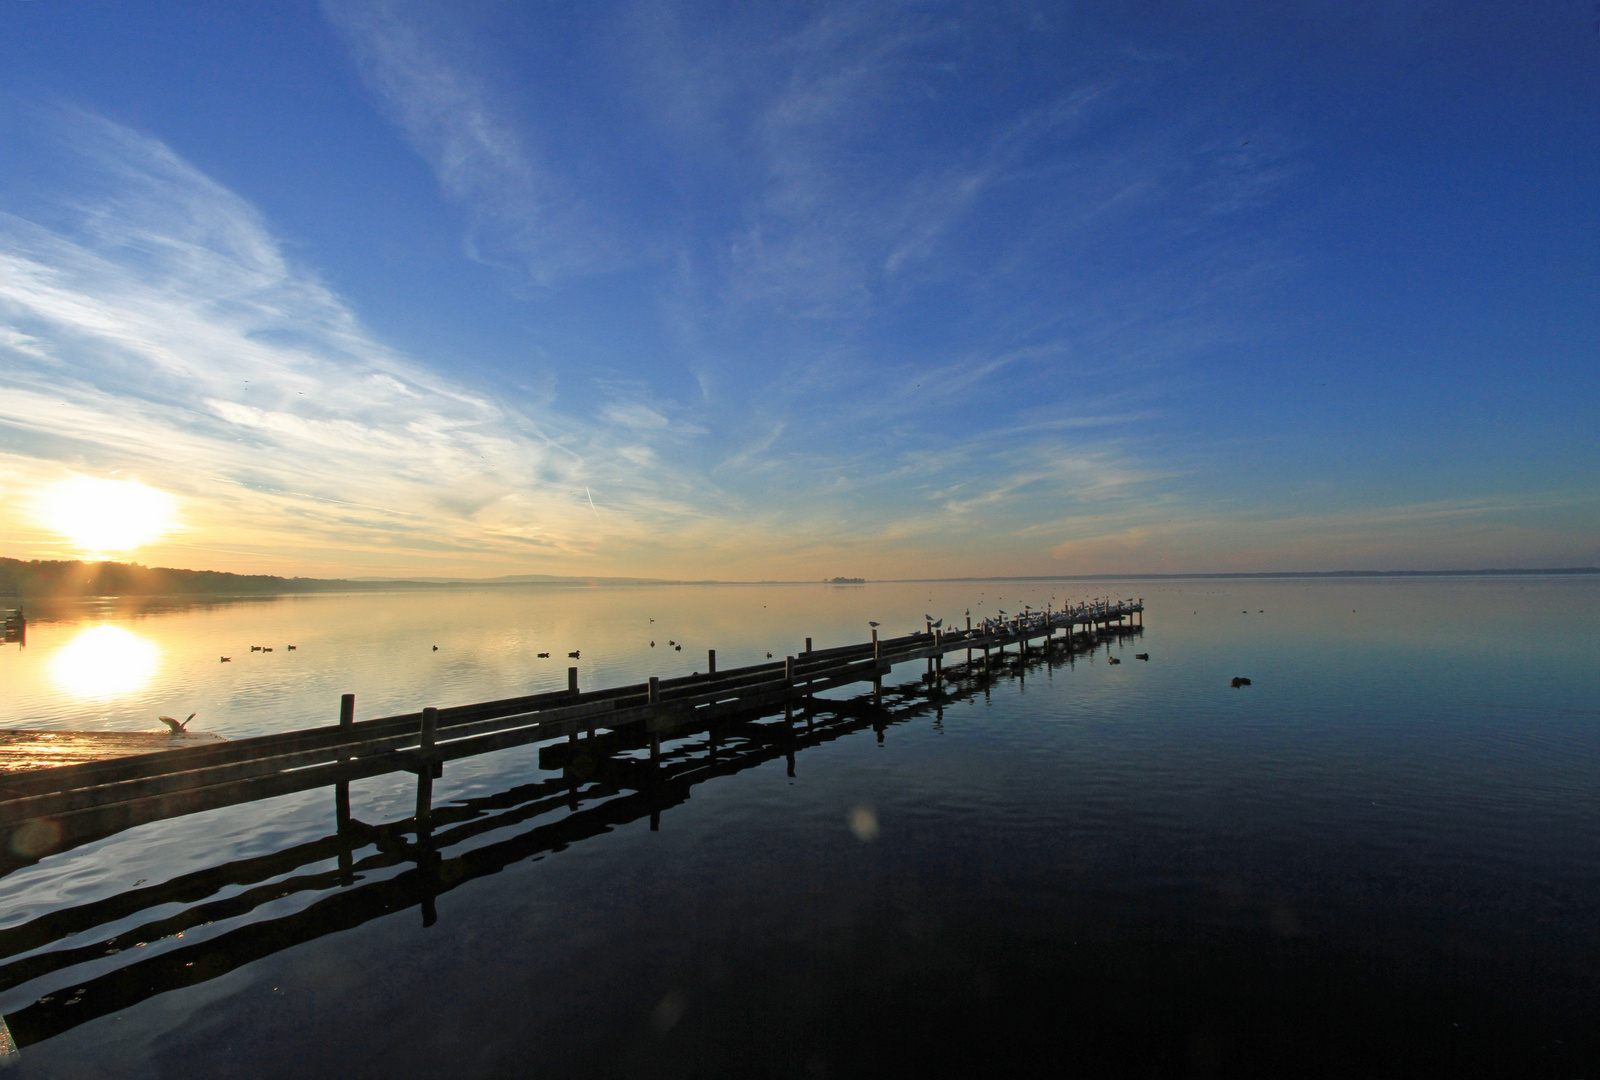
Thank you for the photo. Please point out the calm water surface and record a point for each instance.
(1382, 858)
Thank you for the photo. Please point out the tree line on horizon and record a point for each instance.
(69, 577)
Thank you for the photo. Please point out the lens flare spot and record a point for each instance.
(863, 821)
(107, 515)
(105, 661)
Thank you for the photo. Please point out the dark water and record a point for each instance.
(1381, 858)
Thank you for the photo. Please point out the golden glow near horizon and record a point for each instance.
(104, 661)
(102, 516)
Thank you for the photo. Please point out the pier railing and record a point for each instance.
(50, 810)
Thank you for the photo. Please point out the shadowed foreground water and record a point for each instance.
(1381, 858)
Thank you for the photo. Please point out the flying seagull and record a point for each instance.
(177, 728)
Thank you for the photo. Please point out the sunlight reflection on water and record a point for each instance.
(105, 661)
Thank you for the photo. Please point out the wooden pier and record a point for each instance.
(53, 809)
(614, 770)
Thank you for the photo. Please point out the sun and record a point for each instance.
(107, 515)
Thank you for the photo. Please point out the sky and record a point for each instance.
(795, 290)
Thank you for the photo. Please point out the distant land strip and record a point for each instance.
(67, 578)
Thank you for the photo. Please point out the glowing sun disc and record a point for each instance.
(105, 661)
(107, 515)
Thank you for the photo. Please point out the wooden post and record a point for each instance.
(808, 644)
(788, 671)
(874, 643)
(341, 800)
(711, 661)
(653, 695)
(425, 754)
(655, 746)
(572, 680)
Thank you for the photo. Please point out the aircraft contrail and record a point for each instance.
(591, 502)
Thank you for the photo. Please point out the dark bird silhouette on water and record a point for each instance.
(269, 648)
(544, 656)
(769, 656)
(1238, 681)
(573, 655)
(291, 648)
(435, 648)
(678, 647)
(1112, 660)
(255, 648)
(227, 659)
(177, 728)
(1141, 656)
(652, 644)
(672, 643)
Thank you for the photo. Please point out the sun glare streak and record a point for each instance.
(107, 515)
(105, 661)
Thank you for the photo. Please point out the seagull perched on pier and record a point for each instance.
(177, 728)
(937, 623)
(873, 624)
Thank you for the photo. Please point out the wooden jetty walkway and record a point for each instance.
(361, 871)
(53, 809)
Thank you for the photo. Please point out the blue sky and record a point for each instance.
(794, 290)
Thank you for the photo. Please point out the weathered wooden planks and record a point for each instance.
(49, 809)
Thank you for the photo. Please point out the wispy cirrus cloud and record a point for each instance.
(160, 329)
(523, 212)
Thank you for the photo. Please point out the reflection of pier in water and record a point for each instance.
(602, 786)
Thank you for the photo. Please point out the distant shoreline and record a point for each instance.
(41, 579)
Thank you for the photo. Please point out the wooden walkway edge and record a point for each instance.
(48, 810)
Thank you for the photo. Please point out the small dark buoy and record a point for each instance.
(227, 659)
(574, 654)
(1238, 681)
(544, 656)
(1141, 656)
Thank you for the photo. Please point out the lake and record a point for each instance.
(1380, 858)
